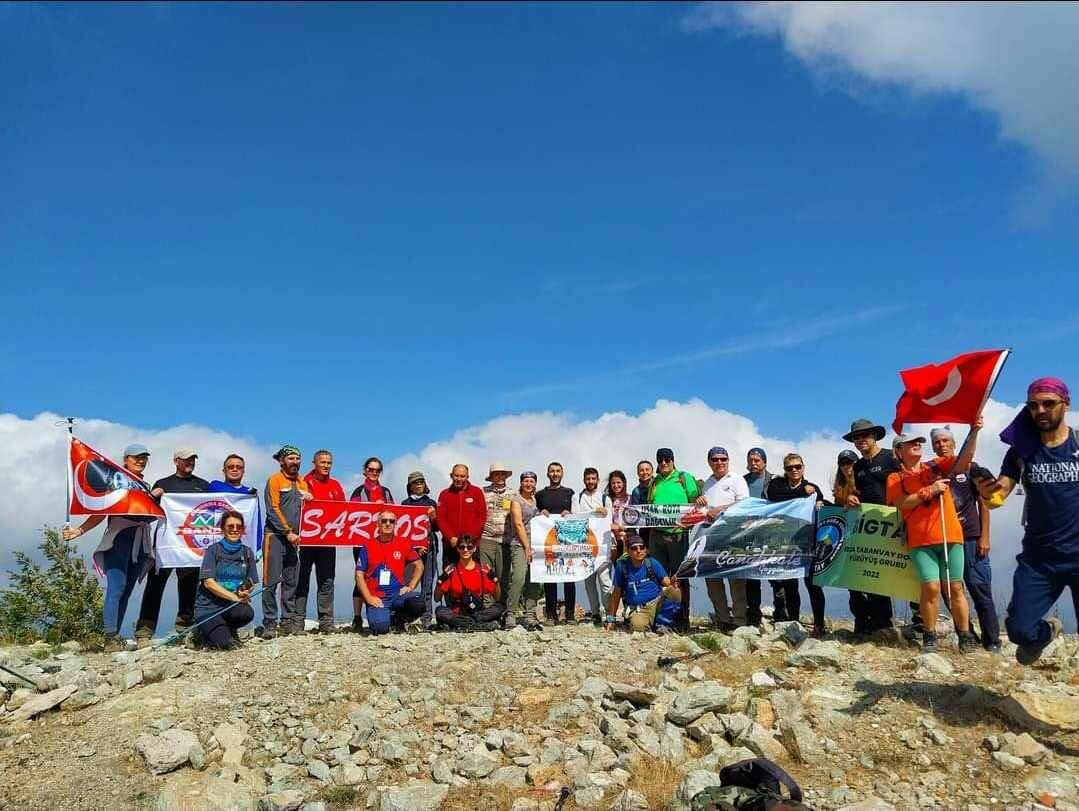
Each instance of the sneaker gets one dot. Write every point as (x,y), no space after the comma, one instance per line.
(114,644)
(509,622)
(967,643)
(818,632)
(1029,654)
(269,631)
(663,630)
(929,643)
(532,624)
(143,633)
(994,648)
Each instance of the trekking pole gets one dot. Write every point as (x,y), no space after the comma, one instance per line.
(667,661)
(176,636)
(19,675)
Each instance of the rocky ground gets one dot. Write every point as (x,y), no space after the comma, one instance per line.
(507,719)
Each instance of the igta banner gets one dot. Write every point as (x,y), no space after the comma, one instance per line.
(352,523)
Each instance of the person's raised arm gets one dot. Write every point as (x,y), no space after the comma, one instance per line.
(966,453)
(71,533)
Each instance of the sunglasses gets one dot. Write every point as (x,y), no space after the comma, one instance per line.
(1043,405)
(466,546)
(718,459)
(637,546)
(232,528)
(387,520)
(793,467)
(373,469)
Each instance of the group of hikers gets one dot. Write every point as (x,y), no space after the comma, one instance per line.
(471,572)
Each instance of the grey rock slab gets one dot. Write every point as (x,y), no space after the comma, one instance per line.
(933,663)
(1009,763)
(1041,708)
(814,653)
(695,701)
(509,776)
(693,784)
(417,796)
(286,800)
(38,704)
(168,751)
(801,741)
(636,695)
(186,790)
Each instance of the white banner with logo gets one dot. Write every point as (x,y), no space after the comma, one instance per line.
(192,524)
(568,549)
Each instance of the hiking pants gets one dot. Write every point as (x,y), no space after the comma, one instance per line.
(872,612)
(121,574)
(467,622)
(323,559)
(647,616)
(1036,586)
(187,585)
(280,570)
(786,600)
(399,607)
(978,578)
(735,612)
(670,550)
(217,633)
(431,571)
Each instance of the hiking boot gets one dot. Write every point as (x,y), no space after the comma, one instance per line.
(819,632)
(114,644)
(532,624)
(929,643)
(994,648)
(1029,654)
(269,631)
(357,625)
(144,634)
(967,643)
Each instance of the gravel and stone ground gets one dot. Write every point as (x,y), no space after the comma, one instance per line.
(509,719)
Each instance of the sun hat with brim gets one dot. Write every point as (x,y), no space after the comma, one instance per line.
(185,452)
(417,476)
(498,467)
(906,439)
(858,426)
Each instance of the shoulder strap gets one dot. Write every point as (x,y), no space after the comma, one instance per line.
(651,572)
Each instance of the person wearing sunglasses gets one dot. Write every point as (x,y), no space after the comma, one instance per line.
(321,559)
(226,578)
(718,492)
(872,612)
(1043,454)
(652,600)
(471,591)
(672,486)
(788,605)
(921,491)
(372,491)
(384,580)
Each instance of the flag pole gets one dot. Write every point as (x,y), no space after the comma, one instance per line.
(70,439)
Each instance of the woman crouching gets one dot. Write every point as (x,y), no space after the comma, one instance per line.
(467,585)
(225,582)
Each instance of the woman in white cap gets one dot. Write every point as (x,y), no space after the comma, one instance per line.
(921,493)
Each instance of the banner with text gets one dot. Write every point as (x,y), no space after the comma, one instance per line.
(864,549)
(192,524)
(644,516)
(754,539)
(353,523)
(568,549)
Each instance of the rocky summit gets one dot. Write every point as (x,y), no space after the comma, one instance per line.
(518,720)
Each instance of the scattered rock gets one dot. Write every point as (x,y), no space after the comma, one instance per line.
(638,696)
(1008,762)
(933,663)
(695,701)
(801,741)
(1042,708)
(417,796)
(1023,747)
(168,751)
(815,653)
(42,703)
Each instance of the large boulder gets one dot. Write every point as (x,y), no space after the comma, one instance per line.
(417,796)
(168,751)
(695,701)
(814,653)
(185,790)
(44,702)
(1042,708)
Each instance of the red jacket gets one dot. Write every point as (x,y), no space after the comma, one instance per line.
(329,490)
(462,512)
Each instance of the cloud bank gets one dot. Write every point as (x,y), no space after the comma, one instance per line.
(1016,61)
(32,469)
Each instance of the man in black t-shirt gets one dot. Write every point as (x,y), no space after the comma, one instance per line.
(183,480)
(554,499)
(872,612)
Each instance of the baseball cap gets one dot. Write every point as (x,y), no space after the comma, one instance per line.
(664,455)
(847,456)
(906,439)
(184,452)
(718,450)
(136,449)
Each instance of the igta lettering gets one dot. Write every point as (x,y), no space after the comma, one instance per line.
(874,526)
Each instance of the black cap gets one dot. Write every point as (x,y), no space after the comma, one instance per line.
(847,456)
(664,455)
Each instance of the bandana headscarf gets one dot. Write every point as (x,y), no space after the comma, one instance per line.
(285,451)
(1022,434)
(760,452)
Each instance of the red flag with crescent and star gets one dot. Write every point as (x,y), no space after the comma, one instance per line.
(953,391)
(99,486)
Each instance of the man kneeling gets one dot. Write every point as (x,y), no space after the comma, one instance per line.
(464,585)
(652,600)
(380,577)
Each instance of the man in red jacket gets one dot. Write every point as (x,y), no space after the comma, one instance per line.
(462,510)
(323,559)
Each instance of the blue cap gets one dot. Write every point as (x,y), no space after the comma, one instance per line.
(759,451)
(529,474)
(136,449)
(717,450)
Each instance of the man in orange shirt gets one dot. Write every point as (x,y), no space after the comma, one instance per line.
(286,492)
(921,493)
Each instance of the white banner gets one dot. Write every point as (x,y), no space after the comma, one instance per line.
(191,521)
(565,550)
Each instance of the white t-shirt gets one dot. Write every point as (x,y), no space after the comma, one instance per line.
(721,492)
(590,502)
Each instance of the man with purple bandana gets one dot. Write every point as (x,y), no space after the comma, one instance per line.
(1044,455)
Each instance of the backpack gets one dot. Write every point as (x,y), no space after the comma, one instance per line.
(750,785)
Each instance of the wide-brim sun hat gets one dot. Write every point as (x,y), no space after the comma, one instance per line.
(858,426)
(498,467)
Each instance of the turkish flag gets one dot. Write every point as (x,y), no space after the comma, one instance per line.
(99,486)
(953,391)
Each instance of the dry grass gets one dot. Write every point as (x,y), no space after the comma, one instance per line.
(656,780)
(493,798)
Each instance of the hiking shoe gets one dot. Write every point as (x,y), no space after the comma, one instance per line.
(967,643)
(357,625)
(818,632)
(114,644)
(994,648)
(509,622)
(532,624)
(1029,654)
(142,633)
(491,625)
(663,630)
(929,643)
(269,631)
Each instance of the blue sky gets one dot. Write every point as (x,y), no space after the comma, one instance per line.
(390,222)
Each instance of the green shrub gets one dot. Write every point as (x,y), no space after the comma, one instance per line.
(55,603)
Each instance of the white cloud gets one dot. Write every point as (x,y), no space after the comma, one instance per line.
(1017,61)
(33,480)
